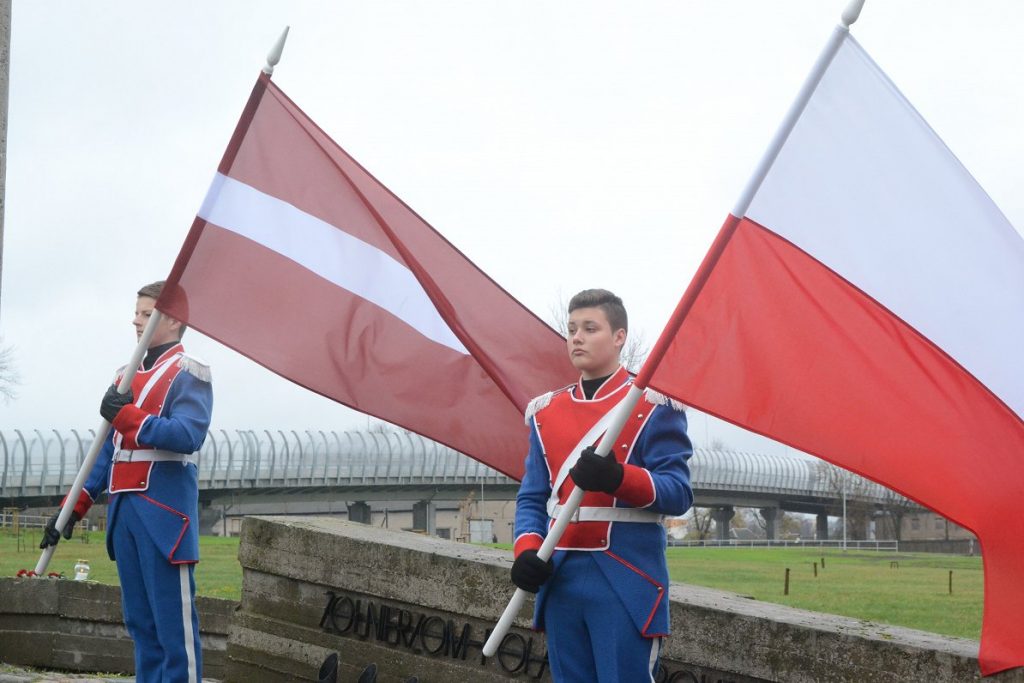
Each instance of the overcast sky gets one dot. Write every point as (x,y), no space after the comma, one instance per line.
(559,145)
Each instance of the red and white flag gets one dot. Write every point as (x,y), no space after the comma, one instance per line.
(304,262)
(865,303)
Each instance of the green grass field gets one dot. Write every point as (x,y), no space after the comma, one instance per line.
(857,584)
(218,575)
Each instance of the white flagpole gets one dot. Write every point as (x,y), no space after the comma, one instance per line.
(849,16)
(97,442)
(554,534)
(273,57)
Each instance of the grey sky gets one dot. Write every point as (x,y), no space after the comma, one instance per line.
(559,145)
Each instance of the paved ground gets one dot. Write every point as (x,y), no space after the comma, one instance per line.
(12,674)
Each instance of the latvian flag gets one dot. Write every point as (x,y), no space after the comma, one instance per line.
(865,303)
(304,262)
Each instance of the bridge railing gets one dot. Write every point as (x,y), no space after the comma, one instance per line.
(728,470)
(14,520)
(889,546)
(44,462)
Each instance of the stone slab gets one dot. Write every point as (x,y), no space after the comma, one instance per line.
(77,626)
(417,605)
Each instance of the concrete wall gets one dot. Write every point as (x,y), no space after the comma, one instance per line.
(422,606)
(963,546)
(451,519)
(928,526)
(77,626)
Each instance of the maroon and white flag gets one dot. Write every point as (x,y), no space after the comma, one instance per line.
(302,261)
(865,303)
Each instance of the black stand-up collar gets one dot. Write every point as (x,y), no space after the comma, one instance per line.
(155,352)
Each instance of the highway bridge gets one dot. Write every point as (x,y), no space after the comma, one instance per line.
(39,466)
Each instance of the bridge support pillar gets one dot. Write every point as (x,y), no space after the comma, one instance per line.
(722,515)
(770,515)
(822,534)
(209,519)
(424,517)
(359,511)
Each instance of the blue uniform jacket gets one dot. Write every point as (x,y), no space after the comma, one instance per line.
(633,560)
(169,504)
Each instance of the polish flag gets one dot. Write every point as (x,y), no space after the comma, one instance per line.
(304,262)
(865,303)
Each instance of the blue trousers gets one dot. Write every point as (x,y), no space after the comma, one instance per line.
(158,599)
(590,635)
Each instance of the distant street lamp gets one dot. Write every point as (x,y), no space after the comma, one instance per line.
(844,512)
(5,70)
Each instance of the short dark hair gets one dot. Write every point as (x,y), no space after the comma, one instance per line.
(152,290)
(607,302)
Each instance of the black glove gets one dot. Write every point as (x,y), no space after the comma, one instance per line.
(50,534)
(529,572)
(593,472)
(112,402)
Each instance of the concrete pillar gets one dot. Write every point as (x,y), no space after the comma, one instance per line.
(359,511)
(860,526)
(209,519)
(424,517)
(822,534)
(722,515)
(769,515)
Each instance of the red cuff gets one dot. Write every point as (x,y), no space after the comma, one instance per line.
(637,487)
(83,504)
(128,421)
(529,541)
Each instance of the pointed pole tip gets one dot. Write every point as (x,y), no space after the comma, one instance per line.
(274,56)
(852,13)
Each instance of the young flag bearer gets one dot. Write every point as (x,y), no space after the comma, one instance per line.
(602,597)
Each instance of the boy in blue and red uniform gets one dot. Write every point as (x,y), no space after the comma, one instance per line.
(147,464)
(603,596)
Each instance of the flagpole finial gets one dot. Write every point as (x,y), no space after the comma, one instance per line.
(852,12)
(274,56)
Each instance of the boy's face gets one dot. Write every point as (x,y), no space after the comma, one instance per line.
(593,346)
(166,330)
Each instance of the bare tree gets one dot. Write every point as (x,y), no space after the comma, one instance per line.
(375,426)
(634,353)
(701,524)
(8,377)
(558,315)
(895,507)
(760,525)
(786,525)
(843,482)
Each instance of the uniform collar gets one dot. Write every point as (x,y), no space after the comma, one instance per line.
(165,352)
(618,379)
